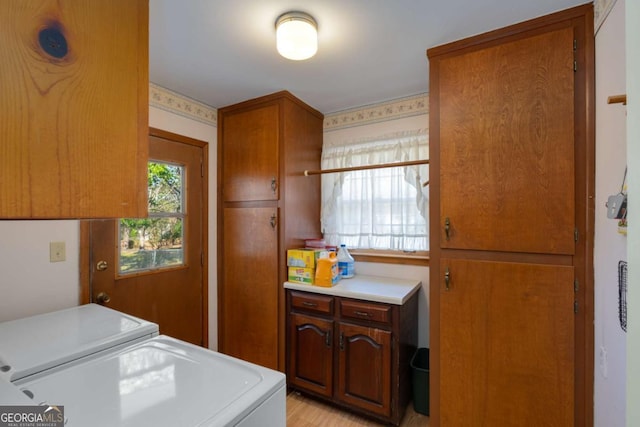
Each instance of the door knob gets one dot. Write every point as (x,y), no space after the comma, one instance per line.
(103,298)
(101,265)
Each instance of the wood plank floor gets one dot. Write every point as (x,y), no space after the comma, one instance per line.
(303,411)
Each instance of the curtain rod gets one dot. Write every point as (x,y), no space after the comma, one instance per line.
(358,168)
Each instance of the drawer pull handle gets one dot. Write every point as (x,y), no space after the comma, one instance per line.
(327,339)
(341,341)
(447,279)
(309,304)
(362,313)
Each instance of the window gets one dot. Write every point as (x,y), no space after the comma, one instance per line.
(156,242)
(382,209)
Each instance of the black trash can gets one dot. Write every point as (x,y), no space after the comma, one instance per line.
(420,370)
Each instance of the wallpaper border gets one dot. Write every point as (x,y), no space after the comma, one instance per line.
(176,103)
(389,110)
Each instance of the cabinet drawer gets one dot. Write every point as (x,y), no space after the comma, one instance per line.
(365,311)
(312,302)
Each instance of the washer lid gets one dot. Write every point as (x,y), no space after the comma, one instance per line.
(34,344)
(158,382)
(10,394)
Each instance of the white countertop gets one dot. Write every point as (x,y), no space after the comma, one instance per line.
(369,288)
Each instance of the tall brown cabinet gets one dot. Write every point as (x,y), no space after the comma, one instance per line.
(511,208)
(265,206)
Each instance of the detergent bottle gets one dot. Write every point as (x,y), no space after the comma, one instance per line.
(327,273)
(346,263)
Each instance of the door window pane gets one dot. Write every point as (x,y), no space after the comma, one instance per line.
(157,241)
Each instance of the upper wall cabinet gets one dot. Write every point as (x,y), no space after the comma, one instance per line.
(74,80)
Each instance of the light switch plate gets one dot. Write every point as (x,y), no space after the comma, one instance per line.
(57,251)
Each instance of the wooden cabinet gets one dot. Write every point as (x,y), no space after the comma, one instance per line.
(74,108)
(353,353)
(250,269)
(511,234)
(507,334)
(266,205)
(364,368)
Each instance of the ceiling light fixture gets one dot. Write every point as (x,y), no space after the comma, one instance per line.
(296,35)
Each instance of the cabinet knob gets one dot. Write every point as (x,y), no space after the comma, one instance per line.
(274,185)
(447,279)
(273,221)
(327,339)
(341,341)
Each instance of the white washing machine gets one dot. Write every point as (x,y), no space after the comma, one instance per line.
(49,341)
(150,381)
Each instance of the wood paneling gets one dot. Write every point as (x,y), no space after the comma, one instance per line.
(251,155)
(74,122)
(506,130)
(250,275)
(507,344)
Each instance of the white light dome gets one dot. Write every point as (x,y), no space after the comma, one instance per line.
(296,36)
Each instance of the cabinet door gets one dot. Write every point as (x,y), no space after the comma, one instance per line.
(250,287)
(250,154)
(74,108)
(506,344)
(506,123)
(364,378)
(311,353)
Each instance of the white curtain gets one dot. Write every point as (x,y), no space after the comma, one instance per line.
(383,208)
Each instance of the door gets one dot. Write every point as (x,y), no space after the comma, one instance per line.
(507,344)
(364,378)
(153,268)
(311,354)
(250,154)
(507,146)
(249,294)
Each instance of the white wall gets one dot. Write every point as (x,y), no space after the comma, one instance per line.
(393,270)
(632,41)
(29,283)
(610,246)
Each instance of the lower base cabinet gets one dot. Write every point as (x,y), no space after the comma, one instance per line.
(353,353)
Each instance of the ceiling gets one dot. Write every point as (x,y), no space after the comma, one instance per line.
(221,52)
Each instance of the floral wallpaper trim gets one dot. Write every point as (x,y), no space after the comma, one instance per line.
(179,104)
(390,110)
(601,9)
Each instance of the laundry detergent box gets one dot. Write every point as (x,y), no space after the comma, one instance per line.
(302,275)
(305,258)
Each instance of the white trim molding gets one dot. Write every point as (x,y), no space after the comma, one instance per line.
(179,104)
(390,110)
